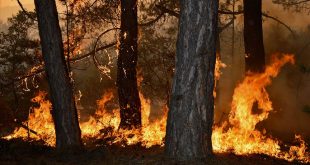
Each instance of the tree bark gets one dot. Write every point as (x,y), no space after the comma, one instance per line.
(129,101)
(253,36)
(190,118)
(68,133)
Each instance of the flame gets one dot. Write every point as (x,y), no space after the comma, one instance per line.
(40,122)
(217,72)
(239,134)
(104,124)
(151,133)
(218,66)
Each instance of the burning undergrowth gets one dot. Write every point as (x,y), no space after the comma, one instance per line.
(103,125)
(238,135)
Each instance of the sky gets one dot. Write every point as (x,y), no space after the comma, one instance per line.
(10,7)
(294,20)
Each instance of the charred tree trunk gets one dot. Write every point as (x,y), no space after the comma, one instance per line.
(129,101)
(253,36)
(190,117)
(68,133)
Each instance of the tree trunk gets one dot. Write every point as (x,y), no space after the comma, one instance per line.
(129,101)
(253,36)
(190,118)
(68,133)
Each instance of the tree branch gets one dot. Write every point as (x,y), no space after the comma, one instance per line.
(25,11)
(220,29)
(293,3)
(92,52)
(39,71)
(153,21)
(280,22)
(230,12)
(168,11)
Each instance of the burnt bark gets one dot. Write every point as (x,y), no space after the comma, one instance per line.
(129,101)
(253,36)
(190,118)
(68,133)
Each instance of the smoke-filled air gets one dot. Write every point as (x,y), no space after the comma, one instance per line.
(155,82)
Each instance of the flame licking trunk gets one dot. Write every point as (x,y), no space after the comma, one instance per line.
(104,124)
(238,135)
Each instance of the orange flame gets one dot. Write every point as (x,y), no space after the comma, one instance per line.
(151,133)
(40,121)
(239,135)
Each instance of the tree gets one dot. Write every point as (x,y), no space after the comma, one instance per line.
(190,117)
(68,133)
(296,5)
(129,101)
(18,54)
(253,36)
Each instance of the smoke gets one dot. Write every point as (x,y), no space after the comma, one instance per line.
(290,91)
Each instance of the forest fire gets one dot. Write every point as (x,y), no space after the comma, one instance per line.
(151,133)
(40,122)
(237,135)
(141,82)
(104,124)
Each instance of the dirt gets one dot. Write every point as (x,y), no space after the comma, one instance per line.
(18,151)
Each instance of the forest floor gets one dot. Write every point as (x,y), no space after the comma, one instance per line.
(20,152)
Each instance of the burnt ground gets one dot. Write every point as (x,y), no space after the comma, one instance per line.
(18,151)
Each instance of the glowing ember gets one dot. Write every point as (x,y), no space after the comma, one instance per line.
(217,72)
(239,135)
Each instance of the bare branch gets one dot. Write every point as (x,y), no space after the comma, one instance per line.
(280,22)
(176,14)
(153,21)
(220,29)
(92,52)
(230,12)
(25,11)
(97,64)
(40,71)
(168,11)
(293,3)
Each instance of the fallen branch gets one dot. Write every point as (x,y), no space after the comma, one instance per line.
(26,127)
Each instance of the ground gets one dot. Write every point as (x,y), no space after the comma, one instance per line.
(20,152)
